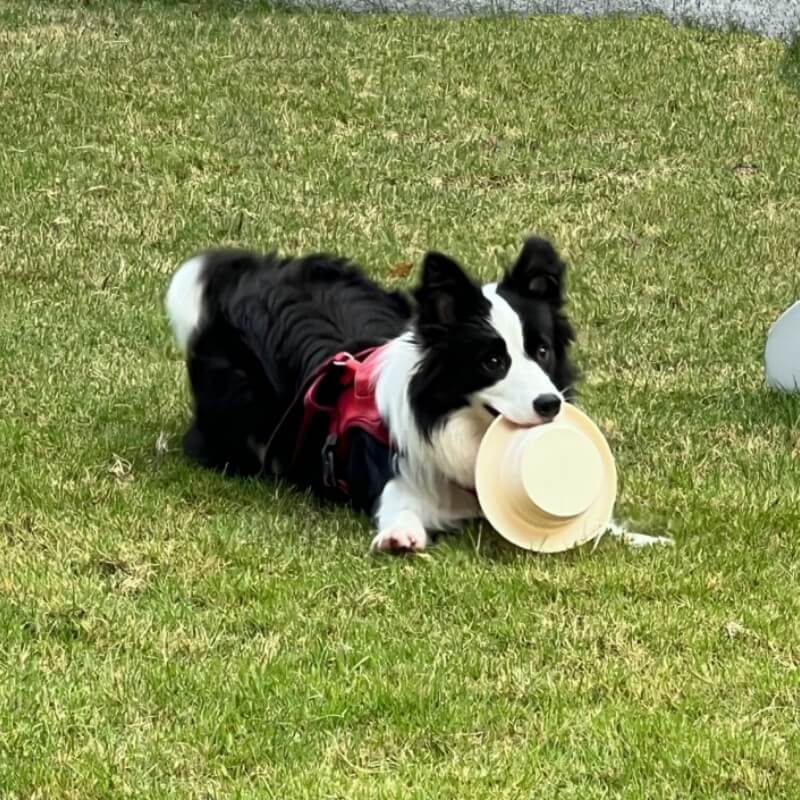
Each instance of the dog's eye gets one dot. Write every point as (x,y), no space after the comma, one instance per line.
(542,352)
(493,363)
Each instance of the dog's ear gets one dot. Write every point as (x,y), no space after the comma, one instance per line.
(446,293)
(538,272)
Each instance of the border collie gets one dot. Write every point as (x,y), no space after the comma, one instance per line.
(257,329)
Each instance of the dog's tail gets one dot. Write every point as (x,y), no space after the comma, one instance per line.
(204,287)
(185,299)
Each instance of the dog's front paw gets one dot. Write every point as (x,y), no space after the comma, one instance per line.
(400,538)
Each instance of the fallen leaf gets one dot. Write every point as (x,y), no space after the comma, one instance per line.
(402,269)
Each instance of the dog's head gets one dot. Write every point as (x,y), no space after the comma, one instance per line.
(501,348)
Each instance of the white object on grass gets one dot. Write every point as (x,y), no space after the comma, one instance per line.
(782,353)
(617,531)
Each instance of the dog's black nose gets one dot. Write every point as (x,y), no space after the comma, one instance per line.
(547,405)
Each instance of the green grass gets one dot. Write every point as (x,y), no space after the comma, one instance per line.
(169,633)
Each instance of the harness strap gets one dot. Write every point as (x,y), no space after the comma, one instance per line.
(351,405)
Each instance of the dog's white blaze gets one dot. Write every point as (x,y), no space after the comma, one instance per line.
(431,475)
(513,396)
(184,300)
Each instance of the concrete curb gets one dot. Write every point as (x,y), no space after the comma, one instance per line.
(778,19)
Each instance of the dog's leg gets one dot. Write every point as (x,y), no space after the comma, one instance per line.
(400,520)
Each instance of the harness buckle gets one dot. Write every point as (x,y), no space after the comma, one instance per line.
(329,462)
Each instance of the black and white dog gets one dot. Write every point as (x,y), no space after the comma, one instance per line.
(256,330)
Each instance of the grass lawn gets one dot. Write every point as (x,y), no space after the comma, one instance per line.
(169,633)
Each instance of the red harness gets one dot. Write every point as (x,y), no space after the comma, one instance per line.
(353,407)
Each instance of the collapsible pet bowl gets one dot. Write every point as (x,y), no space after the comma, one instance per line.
(550,487)
(782,353)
